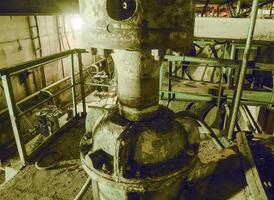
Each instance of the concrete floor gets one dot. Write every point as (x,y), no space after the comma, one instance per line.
(215,176)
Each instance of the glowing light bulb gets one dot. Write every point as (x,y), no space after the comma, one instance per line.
(77,23)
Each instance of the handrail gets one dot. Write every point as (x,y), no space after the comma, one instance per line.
(12,106)
(220,62)
(38,62)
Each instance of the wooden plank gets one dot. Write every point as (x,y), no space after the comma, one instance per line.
(255,185)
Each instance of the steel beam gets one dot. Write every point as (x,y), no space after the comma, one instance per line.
(233,29)
(38,7)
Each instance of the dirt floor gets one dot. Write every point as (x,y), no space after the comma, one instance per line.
(62,182)
(215,176)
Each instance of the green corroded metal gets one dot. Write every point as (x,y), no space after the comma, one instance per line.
(259,98)
(248,98)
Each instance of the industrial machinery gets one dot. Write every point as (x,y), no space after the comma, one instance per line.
(138,149)
(47,120)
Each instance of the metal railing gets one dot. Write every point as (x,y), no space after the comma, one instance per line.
(12,105)
(259,98)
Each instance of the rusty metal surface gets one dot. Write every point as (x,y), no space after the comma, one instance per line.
(136,156)
(138,83)
(153,24)
(140,148)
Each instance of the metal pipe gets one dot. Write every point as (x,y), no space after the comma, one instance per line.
(241,78)
(83,189)
(98,84)
(238,9)
(36,94)
(50,95)
(45,101)
(228,63)
(205,7)
(82,86)
(199,97)
(73,89)
(211,134)
(170,69)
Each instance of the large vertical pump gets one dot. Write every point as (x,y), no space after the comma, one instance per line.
(138,150)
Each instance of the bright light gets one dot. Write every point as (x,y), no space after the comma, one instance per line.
(76,23)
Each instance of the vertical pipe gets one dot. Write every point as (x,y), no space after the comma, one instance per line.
(82,86)
(161,76)
(232,57)
(14,118)
(73,84)
(170,80)
(238,9)
(270,12)
(239,87)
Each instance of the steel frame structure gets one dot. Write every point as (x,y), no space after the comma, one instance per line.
(259,98)
(238,92)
